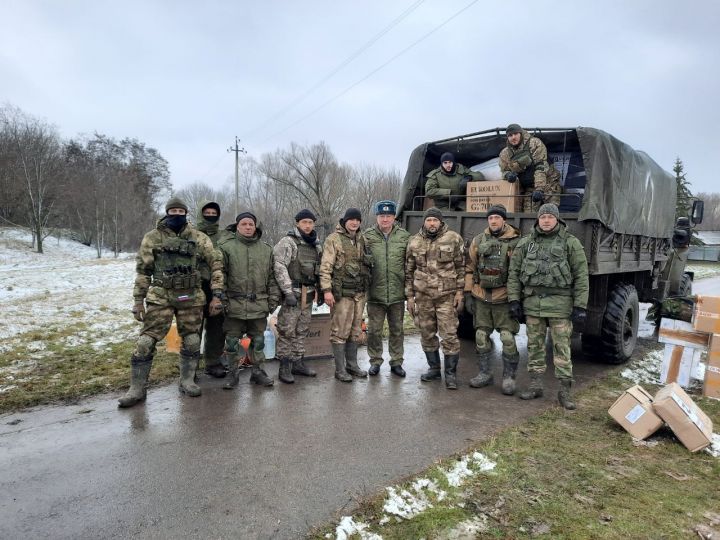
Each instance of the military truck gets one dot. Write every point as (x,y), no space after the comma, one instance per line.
(616,200)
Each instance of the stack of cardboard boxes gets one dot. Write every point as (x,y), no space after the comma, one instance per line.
(706,318)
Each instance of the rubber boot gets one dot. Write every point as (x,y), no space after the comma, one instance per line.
(139,372)
(451,362)
(535,388)
(564,395)
(299,368)
(351,361)
(233,377)
(484,377)
(214,368)
(284,373)
(433,373)
(260,377)
(188,365)
(341,373)
(510,365)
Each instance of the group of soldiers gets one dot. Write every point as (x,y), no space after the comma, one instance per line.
(228,281)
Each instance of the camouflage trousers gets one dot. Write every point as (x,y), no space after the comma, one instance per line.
(235,329)
(560,332)
(437,315)
(377,313)
(346,319)
(293,324)
(553,186)
(157,322)
(488,317)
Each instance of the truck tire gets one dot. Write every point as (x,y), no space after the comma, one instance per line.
(685,288)
(620,324)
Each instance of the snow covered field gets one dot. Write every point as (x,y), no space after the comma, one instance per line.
(65,288)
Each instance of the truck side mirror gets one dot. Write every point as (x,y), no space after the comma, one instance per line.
(698,208)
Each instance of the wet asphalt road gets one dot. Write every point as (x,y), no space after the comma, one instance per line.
(251,463)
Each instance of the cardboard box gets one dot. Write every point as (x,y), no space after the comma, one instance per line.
(706,316)
(317,342)
(482,195)
(679,364)
(711,385)
(633,410)
(682,333)
(688,422)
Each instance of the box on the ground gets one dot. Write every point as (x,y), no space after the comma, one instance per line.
(682,333)
(706,317)
(317,342)
(711,385)
(633,411)
(482,195)
(679,364)
(689,423)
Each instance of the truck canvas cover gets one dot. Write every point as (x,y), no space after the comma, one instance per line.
(625,189)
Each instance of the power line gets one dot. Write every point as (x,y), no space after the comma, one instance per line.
(340,66)
(373,72)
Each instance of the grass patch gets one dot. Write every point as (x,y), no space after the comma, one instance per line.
(573,475)
(703,269)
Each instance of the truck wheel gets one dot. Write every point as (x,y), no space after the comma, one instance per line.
(686,284)
(620,324)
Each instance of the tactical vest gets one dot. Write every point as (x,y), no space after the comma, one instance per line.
(303,268)
(524,158)
(176,264)
(546,263)
(354,276)
(491,271)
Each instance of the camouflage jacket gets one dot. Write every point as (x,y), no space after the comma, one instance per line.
(213,232)
(549,273)
(285,253)
(439,185)
(530,162)
(250,284)
(434,266)
(342,269)
(387,284)
(149,288)
(487,264)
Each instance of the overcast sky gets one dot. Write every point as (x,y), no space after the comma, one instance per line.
(186,77)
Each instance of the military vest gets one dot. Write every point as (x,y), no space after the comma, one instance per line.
(354,276)
(493,262)
(546,263)
(303,268)
(176,264)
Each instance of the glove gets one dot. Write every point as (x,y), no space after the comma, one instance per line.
(139,311)
(538,196)
(454,201)
(469,303)
(516,311)
(578,316)
(291,300)
(216,307)
(511,177)
(464,182)
(411,306)
(319,299)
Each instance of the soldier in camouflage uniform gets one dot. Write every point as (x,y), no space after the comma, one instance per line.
(386,243)
(252,293)
(344,277)
(486,271)
(548,285)
(168,284)
(297,258)
(434,281)
(447,185)
(208,223)
(525,158)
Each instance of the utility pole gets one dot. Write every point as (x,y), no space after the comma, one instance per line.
(237,151)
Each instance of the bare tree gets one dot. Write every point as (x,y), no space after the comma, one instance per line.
(371,184)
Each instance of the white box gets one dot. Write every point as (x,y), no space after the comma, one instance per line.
(679,364)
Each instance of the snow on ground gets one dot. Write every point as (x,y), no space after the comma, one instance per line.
(645,370)
(714,448)
(349,527)
(67,286)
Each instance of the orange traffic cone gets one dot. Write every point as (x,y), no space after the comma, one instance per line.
(172,340)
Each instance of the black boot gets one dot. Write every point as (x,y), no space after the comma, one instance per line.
(564,395)
(285,373)
(451,362)
(374,369)
(433,373)
(341,373)
(299,368)
(260,377)
(484,377)
(398,370)
(231,356)
(214,368)
(351,361)
(510,364)
(188,365)
(535,388)
(139,372)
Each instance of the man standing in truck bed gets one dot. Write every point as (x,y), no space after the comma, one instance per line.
(525,158)
(447,185)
